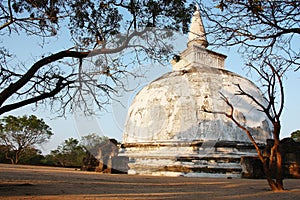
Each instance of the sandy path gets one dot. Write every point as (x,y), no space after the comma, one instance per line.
(31,182)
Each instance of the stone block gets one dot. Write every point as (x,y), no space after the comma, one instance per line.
(251,167)
(120,165)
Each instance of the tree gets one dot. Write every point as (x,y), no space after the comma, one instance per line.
(31,156)
(69,154)
(19,134)
(62,78)
(296,135)
(273,85)
(264,31)
(3,150)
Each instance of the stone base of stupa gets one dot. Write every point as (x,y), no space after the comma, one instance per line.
(197,158)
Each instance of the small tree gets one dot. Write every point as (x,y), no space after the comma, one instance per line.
(265,33)
(20,133)
(296,135)
(272,107)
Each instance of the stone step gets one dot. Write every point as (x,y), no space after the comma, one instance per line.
(223,159)
(185,167)
(179,170)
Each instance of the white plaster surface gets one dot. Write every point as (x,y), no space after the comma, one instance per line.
(171,109)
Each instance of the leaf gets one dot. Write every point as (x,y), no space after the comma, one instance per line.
(221,6)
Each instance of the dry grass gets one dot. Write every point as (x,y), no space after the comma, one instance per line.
(32,182)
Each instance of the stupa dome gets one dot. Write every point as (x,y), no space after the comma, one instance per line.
(171,108)
(167,129)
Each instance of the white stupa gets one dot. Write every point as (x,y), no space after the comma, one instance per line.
(168,133)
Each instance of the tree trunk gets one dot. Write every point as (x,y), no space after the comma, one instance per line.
(9,158)
(277,184)
(279,177)
(17,157)
(278,164)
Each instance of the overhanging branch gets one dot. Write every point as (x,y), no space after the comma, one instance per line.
(14,87)
(59,87)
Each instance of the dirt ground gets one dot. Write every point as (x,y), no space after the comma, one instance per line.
(32,182)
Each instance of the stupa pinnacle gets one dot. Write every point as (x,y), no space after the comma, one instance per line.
(197,55)
(197,32)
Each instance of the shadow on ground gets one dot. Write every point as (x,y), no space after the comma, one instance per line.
(31,182)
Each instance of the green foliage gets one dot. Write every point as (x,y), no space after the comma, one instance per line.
(69,154)
(296,135)
(85,18)
(19,135)
(3,152)
(254,6)
(51,78)
(31,156)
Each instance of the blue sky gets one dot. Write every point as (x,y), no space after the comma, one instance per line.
(111,123)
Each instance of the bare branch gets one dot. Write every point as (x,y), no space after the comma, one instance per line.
(14,87)
(59,87)
(10,20)
(230,115)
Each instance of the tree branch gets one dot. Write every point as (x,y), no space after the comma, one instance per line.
(14,87)
(11,20)
(59,87)
(230,115)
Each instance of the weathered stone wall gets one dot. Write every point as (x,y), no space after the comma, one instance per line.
(291,157)
(89,162)
(290,151)
(199,158)
(120,165)
(197,56)
(106,160)
(252,167)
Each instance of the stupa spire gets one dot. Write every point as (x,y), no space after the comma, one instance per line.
(196,55)
(197,33)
